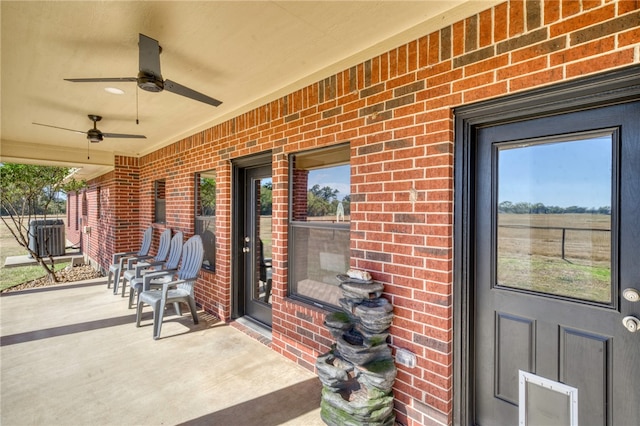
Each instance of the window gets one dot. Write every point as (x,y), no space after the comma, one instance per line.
(160,214)
(99,202)
(320,231)
(205,215)
(85,206)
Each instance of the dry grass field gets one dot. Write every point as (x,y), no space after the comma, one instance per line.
(530,249)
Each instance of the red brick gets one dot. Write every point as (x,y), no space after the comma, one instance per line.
(458,38)
(536,79)
(486,28)
(582,20)
(582,51)
(628,38)
(626,6)
(570,7)
(500,22)
(516,17)
(615,59)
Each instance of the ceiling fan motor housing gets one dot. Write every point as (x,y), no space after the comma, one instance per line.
(150,82)
(94,135)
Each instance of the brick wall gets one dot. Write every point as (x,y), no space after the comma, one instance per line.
(395,110)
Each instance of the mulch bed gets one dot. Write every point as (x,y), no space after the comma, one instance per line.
(67,275)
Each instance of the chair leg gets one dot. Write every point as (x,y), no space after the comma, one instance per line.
(124,286)
(139,314)
(267,291)
(158,315)
(116,281)
(132,290)
(109,278)
(194,311)
(176,307)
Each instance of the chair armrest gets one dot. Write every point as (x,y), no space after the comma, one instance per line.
(172,284)
(143,268)
(147,278)
(118,256)
(135,259)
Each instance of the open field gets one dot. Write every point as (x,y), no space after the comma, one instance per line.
(531,247)
(10,277)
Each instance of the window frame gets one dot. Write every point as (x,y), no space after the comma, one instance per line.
(197,214)
(160,209)
(344,226)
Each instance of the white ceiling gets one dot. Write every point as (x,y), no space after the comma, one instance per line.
(242,53)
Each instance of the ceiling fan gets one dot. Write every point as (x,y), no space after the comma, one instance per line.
(95,135)
(149,77)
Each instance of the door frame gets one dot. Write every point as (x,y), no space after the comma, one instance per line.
(607,89)
(238,227)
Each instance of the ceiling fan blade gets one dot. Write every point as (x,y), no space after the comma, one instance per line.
(61,128)
(179,89)
(149,56)
(123,136)
(99,80)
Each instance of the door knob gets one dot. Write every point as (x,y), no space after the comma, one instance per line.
(631,323)
(631,294)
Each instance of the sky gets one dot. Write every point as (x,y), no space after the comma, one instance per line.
(563,174)
(338,177)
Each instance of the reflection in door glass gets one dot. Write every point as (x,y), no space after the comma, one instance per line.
(554,218)
(263,239)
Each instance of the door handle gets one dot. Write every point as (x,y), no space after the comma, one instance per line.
(631,323)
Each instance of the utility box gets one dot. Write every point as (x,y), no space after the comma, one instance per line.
(46,237)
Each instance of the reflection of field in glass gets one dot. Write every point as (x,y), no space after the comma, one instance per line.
(530,248)
(266,234)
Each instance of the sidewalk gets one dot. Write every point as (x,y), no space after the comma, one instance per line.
(71,355)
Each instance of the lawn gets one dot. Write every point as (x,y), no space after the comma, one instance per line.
(10,277)
(530,249)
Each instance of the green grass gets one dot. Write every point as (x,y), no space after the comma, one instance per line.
(10,277)
(556,276)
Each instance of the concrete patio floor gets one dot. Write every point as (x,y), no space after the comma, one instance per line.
(71,355)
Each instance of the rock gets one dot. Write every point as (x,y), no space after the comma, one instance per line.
(338,323)
(379,374)
(352,348)
(359,274)
(334,372)
(358,374)
(357,411)
(361,291)
(375,315)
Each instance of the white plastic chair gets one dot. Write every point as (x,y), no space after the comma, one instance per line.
(176,288)
(136,275)
(134,262)
(119,259)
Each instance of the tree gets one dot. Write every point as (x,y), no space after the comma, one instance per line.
(27,191)
(322,201)
(266,199)
(208,196)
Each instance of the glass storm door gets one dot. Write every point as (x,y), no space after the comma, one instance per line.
(557,270)
(256,245)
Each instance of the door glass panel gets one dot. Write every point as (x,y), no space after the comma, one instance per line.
(554,217)
(262,239)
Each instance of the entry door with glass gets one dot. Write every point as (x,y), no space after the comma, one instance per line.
(557,270)
(257,243)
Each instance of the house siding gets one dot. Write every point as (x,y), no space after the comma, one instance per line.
(396,112)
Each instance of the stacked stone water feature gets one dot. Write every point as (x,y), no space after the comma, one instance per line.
(358,373)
